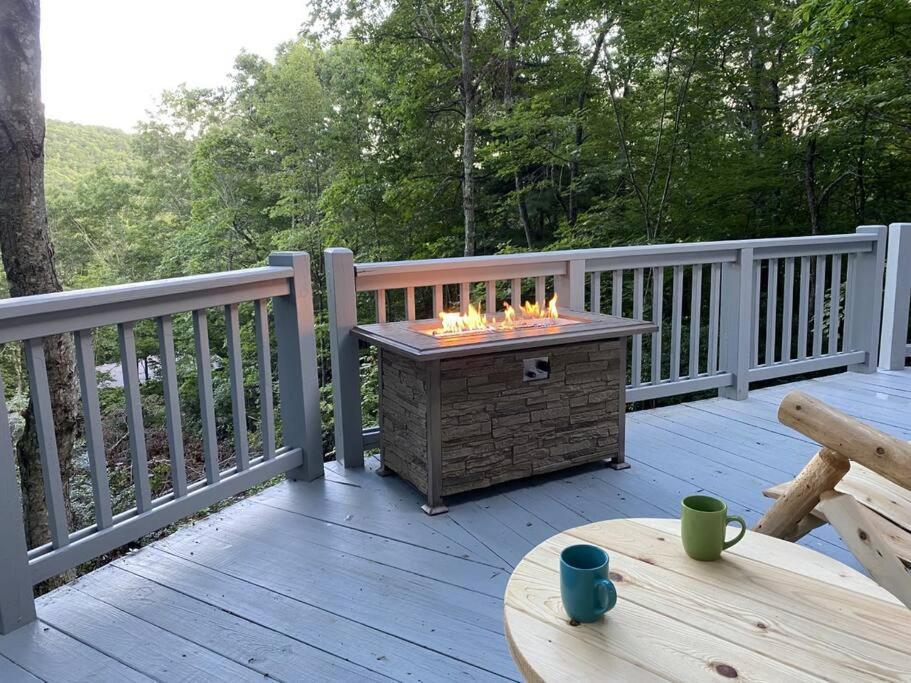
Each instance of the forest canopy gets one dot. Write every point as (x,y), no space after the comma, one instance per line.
(587,123)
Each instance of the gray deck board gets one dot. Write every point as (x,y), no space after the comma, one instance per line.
(245,642)
(345,578)
(52,655)
(13,672)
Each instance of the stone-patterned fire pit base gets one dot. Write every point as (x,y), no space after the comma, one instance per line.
(491,424)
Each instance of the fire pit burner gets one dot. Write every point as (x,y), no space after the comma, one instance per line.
(462,409)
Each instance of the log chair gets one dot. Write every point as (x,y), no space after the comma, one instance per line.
(859,482)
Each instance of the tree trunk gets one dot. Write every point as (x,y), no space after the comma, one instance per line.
(28,257)
(469,100)
(579,137)
(809,181)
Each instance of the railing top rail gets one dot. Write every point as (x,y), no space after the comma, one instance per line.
(43,314)
(711,250)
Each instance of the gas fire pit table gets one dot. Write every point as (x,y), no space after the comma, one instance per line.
(469,401)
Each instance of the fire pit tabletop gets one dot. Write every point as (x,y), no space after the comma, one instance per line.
(413,338)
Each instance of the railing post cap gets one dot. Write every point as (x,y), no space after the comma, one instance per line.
(289,258)
(338,250)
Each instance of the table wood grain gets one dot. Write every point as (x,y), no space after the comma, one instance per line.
(768,610)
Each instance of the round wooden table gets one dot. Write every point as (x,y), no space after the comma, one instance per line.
(767,610)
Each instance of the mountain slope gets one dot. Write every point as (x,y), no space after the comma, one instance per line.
(73,151)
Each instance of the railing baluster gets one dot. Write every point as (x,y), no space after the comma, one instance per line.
(464,296)
(206,401)
(409,303)
(771,310)
(714,304)
(135,425)
(754,332)
(238,398)
(850,281)
(264,364)
(491,294)
(540,290)
(637,339)
(595,294)
(657,318)
(787,313)
(695,319)
(617,292)
(676,323)
(47,442)
(804,307)
(517,293)
(819,290)
(437,300)
(834,304)
(173,421)
(94,437)
(381,306)
(17,604)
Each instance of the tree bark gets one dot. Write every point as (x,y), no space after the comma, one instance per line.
(573,211)
(28,257)
(809,181)
(469,100)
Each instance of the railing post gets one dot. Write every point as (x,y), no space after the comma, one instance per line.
(736,325)
(864,299)
(297,377)
(893,345)
(345,354)
(17,603)
(570,288)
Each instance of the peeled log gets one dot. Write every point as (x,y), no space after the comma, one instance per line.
(837,431)
(821,474)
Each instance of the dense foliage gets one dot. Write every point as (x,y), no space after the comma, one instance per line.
(593,124)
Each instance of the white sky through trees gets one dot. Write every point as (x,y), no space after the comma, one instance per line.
(105,62)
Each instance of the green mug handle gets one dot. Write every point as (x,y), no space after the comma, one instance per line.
(607,594)
(743,529)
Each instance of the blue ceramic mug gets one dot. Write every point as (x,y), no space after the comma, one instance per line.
(586,591)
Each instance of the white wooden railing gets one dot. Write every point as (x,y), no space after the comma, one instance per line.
(754,310)
(285,282)
(729,313)
(895,344)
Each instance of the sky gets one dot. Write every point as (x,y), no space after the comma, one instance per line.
(105,62)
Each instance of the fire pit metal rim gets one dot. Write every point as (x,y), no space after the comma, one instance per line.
(404,336)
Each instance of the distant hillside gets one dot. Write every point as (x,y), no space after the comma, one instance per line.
(73,151)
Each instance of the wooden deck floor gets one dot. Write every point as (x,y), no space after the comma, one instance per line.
(346,579)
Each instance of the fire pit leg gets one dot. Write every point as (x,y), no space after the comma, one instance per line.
(434,504)
(618,462)
(434,509)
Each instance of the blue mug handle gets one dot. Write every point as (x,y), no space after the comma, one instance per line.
(607,595)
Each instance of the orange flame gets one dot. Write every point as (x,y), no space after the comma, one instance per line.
(456,322)
(473,321)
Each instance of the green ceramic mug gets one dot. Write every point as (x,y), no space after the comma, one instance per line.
(703,522)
